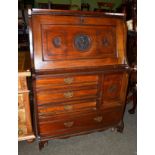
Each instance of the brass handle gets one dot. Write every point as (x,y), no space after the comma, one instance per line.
(68,124)
(68,107)
(68,80)
(98,119)
(68,94)
(20,132)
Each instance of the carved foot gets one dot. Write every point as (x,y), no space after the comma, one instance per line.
(42,144)
(120,127)
(113,129)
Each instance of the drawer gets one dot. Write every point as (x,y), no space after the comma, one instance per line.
(65,108)
(79,123)
(22,83)
(66,81)
(68,95)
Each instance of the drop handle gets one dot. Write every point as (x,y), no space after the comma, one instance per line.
(68,107)
(68,94)
(68,124)
(98,119)
(68,80)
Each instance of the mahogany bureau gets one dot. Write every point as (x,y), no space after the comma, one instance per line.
(80,72)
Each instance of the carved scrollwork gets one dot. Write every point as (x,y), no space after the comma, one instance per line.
(82,42)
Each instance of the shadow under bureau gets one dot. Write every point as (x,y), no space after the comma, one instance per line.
(79,70)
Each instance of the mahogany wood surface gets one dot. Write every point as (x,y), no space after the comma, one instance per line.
(79,71)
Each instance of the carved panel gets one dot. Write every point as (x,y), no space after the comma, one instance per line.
(54,44)
(71,42)
(112,86)
(57,42)
(107,41)
(82,42)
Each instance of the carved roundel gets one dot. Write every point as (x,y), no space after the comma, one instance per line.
(57,41)
(82,42)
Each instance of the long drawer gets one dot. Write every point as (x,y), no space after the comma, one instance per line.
(78,123)
(70,107)
(59,82)
(49,96)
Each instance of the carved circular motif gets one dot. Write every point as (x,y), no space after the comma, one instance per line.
(112,88)
(82,42)
(56,41)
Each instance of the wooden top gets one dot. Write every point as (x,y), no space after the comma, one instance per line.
(74,13)
(24,64)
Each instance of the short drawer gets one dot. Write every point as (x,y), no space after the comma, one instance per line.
(81,123)
(61,81)
(66,108)
(68,95)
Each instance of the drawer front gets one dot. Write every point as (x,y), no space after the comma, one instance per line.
(64,42)
(22,83)
(68,95)
(66,108)
(114,88)
(77,124)
(65,81)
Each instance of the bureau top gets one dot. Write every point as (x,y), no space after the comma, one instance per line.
(74,13)
(75,39)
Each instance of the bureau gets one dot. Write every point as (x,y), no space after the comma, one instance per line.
(79,70)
